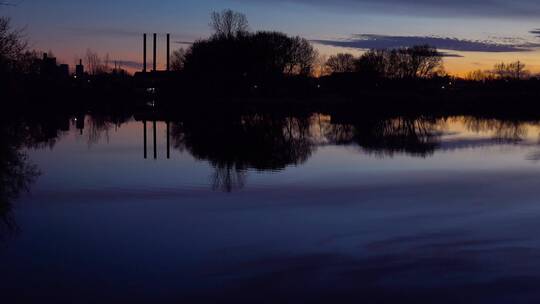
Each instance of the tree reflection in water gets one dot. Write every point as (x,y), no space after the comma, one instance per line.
(16,172)
(235,144)
(503,130)
(18,133)
(415,136)
(228,177)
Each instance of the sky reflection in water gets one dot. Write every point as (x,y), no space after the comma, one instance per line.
(434,211)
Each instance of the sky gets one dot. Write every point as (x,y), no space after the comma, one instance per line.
(474,34)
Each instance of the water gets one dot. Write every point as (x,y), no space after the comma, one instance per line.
(264,209)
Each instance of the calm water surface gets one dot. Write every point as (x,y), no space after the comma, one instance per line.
(287,210)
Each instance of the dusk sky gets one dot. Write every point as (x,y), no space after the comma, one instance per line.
(475,33)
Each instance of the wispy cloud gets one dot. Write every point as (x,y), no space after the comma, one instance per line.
(183,42)
(446,54)
(535,32)
(130,64)
(369,41)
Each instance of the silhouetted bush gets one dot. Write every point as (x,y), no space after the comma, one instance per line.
(250,55)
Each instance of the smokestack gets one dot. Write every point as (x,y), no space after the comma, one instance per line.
(168,52)
(144,53)
(155,50)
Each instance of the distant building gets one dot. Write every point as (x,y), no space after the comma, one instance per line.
(48,66)
(50,70)
(63,70)
(79,69)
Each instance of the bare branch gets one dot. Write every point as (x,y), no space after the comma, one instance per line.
(228,23)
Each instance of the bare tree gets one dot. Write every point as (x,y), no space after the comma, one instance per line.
(425,61)
(373,63)
(28,62)
(93,62)
(512,71)
(517,70)
(302,56)
(479,75)
(107,63)
(12,45)
(418,61)
(500,70)
(228,23)
(178,58)
(413,62)
(340,63)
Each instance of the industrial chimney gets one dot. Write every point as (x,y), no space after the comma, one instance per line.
(144,53)
(155,54)
(168,52)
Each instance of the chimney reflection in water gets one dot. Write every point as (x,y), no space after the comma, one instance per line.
(154,134)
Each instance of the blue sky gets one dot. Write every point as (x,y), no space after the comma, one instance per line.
(68,28)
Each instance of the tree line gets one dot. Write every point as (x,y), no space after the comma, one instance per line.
(235,51)
(16,58)
(422,61)
(501,71)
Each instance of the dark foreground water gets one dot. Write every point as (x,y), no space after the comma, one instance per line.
(272,210)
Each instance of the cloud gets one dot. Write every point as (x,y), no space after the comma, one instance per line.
(535,32)
(183,42)
(368,41)
(477,8)
(129,64)
(446,54)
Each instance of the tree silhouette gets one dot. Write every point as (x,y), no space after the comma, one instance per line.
(512,71)
(341,63)
(405,63)
(177,59)
(373,64)
(303,56)
(228,23)
(479,75)
(249,56)
(12,46)
(94,63)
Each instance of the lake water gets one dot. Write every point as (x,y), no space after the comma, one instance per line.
(264,209)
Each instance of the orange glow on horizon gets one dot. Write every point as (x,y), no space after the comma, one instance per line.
(455,66)
(468,62)
(471,61)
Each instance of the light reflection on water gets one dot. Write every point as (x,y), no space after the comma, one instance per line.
(258,209)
